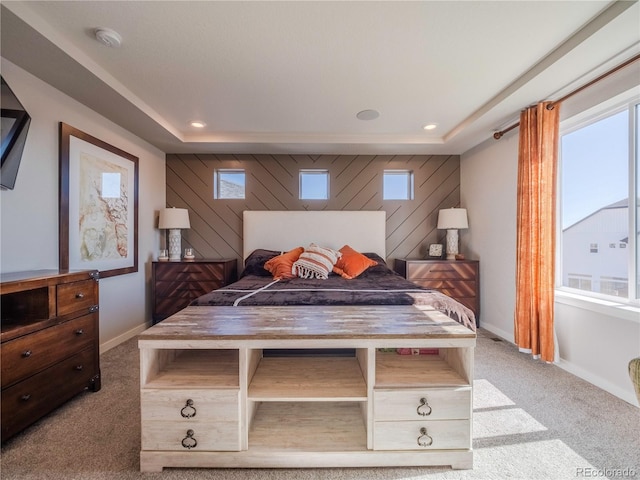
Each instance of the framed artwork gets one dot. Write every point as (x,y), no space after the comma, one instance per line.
(98,222)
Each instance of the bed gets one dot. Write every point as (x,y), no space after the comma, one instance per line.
(268,234)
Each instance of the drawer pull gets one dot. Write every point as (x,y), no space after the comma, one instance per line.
(79,332)
(189,442)
(79,367)
(26,354)
(188,411)
(80,295)
(25,397)
(424,440)
(424,409)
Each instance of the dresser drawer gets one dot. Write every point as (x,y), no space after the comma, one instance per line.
(76,297)
(434,404)
(452,288)
(425,435)
(190,405)
(25,402)
(30,354)
(441,270)
(189,272)
(186,290)
(200,436)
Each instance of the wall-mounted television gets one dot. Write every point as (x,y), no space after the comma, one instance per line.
(15,125)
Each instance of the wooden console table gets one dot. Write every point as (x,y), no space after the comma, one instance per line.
(209,398)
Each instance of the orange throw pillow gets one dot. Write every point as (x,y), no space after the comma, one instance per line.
(280,266)
(352,263)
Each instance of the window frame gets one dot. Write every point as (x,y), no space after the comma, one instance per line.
(629,101)
(313,171)
(217,176)
(410,184)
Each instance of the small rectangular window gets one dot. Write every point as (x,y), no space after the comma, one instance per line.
(397,185)
(228,184)
(593,248)
(314,184)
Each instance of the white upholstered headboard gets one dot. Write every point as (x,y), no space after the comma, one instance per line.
(283,230)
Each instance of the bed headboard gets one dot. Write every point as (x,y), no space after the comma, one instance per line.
(283,230)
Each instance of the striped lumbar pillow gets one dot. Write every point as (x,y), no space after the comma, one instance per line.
(315,262)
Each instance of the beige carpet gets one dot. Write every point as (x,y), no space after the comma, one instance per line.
(531,421)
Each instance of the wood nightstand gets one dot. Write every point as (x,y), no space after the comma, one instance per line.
(459,279)
(175,284)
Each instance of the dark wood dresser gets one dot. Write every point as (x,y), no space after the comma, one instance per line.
(49,342)
(175,284)
(459,279)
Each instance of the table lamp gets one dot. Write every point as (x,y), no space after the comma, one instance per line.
(452,219)
(174,219)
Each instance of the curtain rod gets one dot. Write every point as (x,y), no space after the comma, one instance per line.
(498,135)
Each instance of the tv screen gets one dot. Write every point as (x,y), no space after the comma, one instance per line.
(14,126)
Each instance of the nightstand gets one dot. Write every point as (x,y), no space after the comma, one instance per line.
(175,284)
(459,279)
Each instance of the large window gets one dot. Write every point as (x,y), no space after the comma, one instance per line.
(598,202)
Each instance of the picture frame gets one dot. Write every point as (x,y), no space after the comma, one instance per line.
(436,251)
(98,205)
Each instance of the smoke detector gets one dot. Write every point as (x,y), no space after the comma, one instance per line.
(108,37)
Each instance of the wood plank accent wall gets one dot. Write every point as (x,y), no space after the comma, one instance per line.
(272,184)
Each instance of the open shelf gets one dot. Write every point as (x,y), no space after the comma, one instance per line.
(201,368)
(308,427)
(308,379)
(406,371)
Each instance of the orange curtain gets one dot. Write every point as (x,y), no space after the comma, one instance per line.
(536,224)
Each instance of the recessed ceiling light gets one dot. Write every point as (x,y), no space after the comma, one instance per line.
(198,124)
(430,126)
(368,115)
(108,37)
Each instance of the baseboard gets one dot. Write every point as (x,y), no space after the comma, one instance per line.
(627,396)
(114,342)
(504,335)
(599,382)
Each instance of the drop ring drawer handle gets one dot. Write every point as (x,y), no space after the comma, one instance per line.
(79,331)
(25,397)
(80,295)
(424,409)
(424,440)
(189,442)
(26,354)
(188,411)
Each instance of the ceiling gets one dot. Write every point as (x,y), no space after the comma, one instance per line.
(290,77)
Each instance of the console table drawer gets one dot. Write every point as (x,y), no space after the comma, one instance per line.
(422,404)
(27,355)
(190,405)
(190,436)
(432,435)
(76,297)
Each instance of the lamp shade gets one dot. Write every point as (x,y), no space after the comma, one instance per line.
(452,218)
(174,218)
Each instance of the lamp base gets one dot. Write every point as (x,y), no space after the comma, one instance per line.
(174,244)
(452,244)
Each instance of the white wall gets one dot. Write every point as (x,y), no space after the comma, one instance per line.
(594,344)
(29,212)
(488,176)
